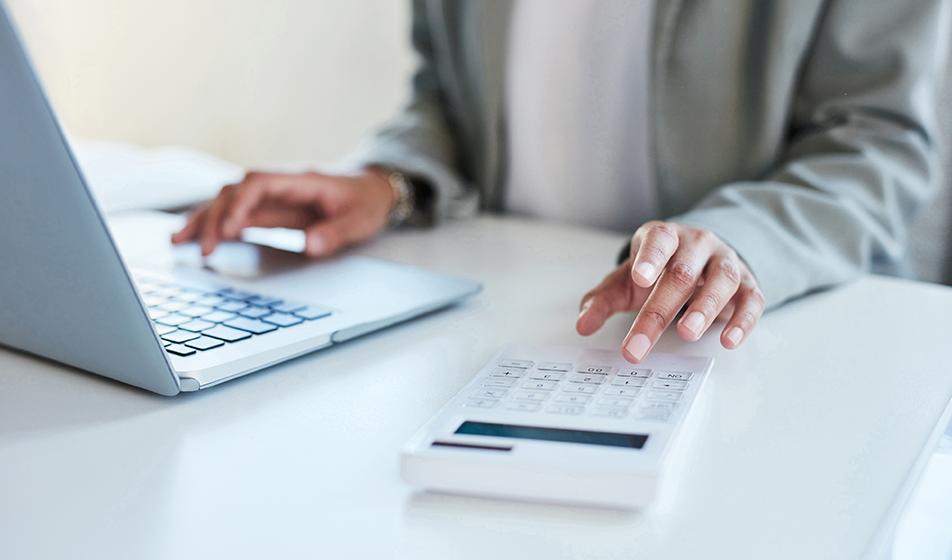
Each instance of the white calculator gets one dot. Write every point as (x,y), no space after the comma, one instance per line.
(560,425)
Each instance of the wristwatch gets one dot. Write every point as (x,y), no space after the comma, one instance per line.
(403,196)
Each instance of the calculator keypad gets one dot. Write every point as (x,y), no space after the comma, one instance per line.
(581,389)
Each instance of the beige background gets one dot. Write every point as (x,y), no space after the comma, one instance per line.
(253,82)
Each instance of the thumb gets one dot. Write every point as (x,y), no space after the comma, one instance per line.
(329,236)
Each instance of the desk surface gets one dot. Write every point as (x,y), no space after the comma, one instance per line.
(809,431)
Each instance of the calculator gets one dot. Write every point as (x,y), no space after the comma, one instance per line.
(559,424)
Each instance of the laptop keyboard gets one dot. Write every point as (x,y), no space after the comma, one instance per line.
(191,319)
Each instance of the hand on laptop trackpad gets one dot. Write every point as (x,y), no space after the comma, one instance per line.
(262,252)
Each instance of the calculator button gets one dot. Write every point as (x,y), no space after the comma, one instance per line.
(666,384)
(565,409)
(521,364)
(546,376)
(507,372)
(498,382)
(533,396)
(481,403)
(628,382)
(622,391)
(642,373)
(540,385)
(601,370)
(583,388)
(615,401)
(523,406)
(493,393)
(610,411)
(554,366)
(664,395)
(653,415)
(658,406)
(585,378)
(675,375)
(572,399)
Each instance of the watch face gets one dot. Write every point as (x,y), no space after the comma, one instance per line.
(403,195)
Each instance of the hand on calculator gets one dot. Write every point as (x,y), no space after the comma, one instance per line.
(672,265)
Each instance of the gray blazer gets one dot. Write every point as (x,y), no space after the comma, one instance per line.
(801,132)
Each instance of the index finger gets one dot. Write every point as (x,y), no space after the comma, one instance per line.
(192,225)
(257,188)
(660,241)
(675,286)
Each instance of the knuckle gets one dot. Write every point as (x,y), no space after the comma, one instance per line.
(654,317)
(683,275)
(665,229)
(746,320)
(653,253)
(710,302)
(755,296)
(704,236)
(729,270)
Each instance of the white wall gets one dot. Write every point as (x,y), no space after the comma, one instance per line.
(252,81)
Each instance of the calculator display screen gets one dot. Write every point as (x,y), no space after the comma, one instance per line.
(632,441)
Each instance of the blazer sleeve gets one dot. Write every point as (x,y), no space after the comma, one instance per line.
(419,141)
(862,157)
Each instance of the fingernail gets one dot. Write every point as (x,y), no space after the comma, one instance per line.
(735,335)
(638,346)
(316,245)
(694,322)
(585,307)
(646,271)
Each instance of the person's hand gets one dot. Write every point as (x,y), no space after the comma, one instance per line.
(672,266)
(333,210)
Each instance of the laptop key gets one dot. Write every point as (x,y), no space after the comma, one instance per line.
(232,306)
(218,316)
(173,306)
(238,295)
(250,325)
(161,329)
(254,312)
(227,334)
(197,325)
(173,320)
(204,343)
(157,313)
(288,307)
(210,301)
(196,311)
(311,313)
(179,350)
(179,337)
(282,319)
(265,301)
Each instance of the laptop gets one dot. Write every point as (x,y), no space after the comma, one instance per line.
(66,293)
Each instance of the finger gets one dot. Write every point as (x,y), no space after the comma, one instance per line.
(211,227)
(675,285)
(721,280)
(658,242)
(613,295)
(330,236)
(749,306)
(192,225)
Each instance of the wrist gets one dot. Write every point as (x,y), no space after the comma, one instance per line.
(402,194)
(377,179)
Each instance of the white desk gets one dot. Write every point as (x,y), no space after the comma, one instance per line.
(810,431)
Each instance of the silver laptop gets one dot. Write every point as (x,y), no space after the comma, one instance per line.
(66,294)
